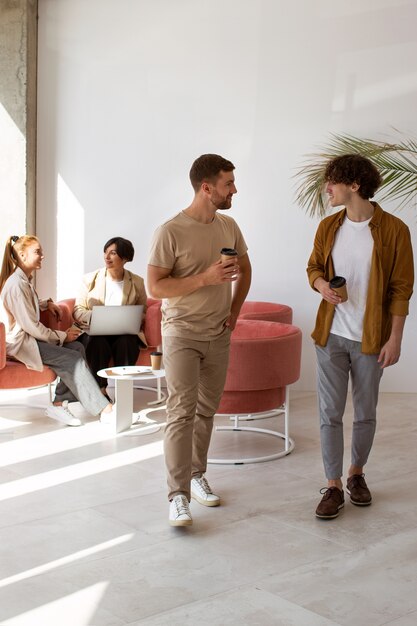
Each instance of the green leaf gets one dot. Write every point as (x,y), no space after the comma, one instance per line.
(396,162)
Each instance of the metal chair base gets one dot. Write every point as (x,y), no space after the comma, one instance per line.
(16,405)
(288,442)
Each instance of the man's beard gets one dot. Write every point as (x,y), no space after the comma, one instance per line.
(222,205)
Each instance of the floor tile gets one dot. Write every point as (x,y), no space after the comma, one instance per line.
(247,606)
(372,585)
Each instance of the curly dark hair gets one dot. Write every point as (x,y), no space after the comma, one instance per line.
(354,168)
(207,168)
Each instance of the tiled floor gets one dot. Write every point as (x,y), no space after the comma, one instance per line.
(84,538)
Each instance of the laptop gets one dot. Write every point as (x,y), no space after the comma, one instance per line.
(123,319)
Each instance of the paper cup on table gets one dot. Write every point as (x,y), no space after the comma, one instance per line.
(338,284)
(156,359)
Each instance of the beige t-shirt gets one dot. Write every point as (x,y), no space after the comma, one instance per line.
(188,247)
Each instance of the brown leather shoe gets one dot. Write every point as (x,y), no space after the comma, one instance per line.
(332,501)
(358,490)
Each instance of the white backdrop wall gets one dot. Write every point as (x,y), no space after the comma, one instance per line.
(132,91)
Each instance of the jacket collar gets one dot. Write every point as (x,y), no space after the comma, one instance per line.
(102,273)
(377,216)
(340,217)
(127,284)
(375,219)
(21,273)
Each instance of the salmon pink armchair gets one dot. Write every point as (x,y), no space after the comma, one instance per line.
(265,358)
(15,375)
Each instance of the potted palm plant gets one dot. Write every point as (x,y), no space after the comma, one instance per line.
(397,163)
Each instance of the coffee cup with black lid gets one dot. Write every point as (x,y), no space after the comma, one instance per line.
(156,358)
(228,254)
(338,284)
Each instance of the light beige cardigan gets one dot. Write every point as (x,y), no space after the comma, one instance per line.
(21,319)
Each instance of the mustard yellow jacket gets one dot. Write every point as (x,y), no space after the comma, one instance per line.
(390,281)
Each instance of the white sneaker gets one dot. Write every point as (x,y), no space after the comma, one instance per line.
(201,491)
(179,511)
(109,417)
(63,414)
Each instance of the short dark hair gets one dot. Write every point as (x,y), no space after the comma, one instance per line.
(207,168)
(354,168)
(124,248)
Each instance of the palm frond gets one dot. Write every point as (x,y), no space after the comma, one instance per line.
(397,163)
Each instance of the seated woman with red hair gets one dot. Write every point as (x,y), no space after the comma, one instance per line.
(35,345)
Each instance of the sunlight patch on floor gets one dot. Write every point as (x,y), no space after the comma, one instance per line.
(77,471)
(76,608)
(6,424)
(71,558)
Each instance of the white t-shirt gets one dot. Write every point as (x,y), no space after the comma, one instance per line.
(114,292)
(352,255)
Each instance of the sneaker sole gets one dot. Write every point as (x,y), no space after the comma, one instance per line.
(205,502)
(76,421)
(182,522)
(356,503)
(331,516)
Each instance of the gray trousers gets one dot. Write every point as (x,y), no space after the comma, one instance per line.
(339,358)
(76,381)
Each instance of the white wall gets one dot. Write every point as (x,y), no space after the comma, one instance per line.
(132,91)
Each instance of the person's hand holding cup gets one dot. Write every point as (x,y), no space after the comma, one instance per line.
(228,254)
(338,284)
(228,257)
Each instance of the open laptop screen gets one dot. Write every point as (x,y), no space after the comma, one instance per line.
(123,319)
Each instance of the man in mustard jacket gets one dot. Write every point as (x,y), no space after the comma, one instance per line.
(361,336)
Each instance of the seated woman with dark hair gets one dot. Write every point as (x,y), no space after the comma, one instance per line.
(35,345)
(110,285)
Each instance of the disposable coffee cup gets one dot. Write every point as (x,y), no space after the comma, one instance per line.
(156,358)
(227,254)
(338,284)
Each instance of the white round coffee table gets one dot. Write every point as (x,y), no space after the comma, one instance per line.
(124,377)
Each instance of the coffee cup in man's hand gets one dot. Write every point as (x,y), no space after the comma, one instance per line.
(228,254)
(338,284)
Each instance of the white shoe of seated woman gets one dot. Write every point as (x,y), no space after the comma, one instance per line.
(108,417)
(63,414)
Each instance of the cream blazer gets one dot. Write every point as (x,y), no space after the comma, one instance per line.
(20,307)
(93,293)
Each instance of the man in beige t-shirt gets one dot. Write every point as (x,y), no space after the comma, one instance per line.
(198,315)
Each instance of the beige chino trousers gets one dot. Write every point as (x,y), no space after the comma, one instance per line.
(195,372)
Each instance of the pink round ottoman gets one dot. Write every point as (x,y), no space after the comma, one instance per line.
(267,311)
(265,358)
